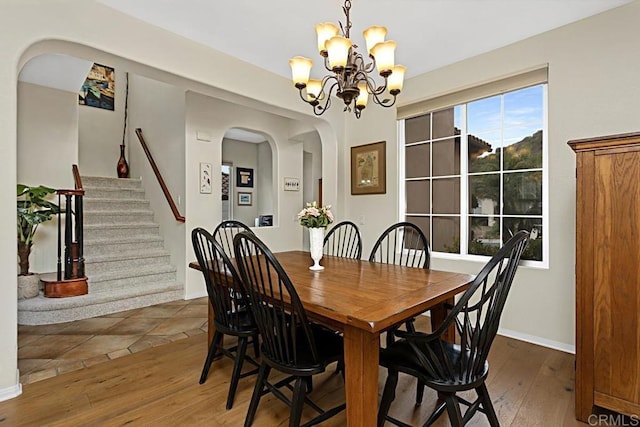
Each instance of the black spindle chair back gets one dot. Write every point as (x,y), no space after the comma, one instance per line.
(402,243)
(226,231)
(279,314)
(343,240)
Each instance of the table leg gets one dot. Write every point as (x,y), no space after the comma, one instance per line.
(438,314)
(361,376)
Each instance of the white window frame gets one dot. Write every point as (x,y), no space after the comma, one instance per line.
(464,175)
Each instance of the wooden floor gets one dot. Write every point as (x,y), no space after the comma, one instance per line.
(529,385)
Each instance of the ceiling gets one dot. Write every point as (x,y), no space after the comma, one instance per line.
(430,33)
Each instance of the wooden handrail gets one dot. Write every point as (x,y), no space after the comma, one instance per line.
(76,177)
(156,171)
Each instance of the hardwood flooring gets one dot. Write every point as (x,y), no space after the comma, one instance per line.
(529,385)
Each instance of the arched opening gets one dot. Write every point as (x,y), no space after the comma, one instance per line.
(247,178)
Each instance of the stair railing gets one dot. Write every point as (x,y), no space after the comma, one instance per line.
(73,230)
(156,171)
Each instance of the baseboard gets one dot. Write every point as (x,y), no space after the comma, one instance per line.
(13,391)
(556,345)
(567,348)
(195,295)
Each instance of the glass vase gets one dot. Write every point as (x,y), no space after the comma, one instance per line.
(316,241)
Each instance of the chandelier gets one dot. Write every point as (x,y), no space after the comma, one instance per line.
(351,76)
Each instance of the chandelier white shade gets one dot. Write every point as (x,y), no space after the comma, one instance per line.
(351,77)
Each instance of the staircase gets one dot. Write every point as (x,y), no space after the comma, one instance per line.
(125,261)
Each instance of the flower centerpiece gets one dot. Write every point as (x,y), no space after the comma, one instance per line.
(316,219)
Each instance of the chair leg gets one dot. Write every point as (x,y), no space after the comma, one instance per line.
(419,392)
(453,409)
(256,345)
(390,336)
(483,393)
(263,374)
(387,396)
(217,337)
(237,370)
(297,402)
(309,383)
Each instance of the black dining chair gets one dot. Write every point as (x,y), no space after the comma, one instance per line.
(231,314)
(291,344)
(405,244)
(343,240)
(451,368)
(226,231)
(402,243)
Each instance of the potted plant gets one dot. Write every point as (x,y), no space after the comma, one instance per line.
(33,210)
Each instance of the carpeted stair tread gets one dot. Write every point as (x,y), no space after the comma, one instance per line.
(137,272)
(121,225)
(123,240)
(125,256)
(42,303)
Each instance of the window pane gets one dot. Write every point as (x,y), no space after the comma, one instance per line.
(446,234)
(446,154)
(484,235)
(484,151)
(423,223)
(484,194)
(444,123)
(534,226)
(522,151)
(446,196)
(417,129)
(418,196)
(523,108)
(484,114)
(417,161)
(522,193)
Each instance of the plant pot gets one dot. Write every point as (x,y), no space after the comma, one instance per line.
(28,286)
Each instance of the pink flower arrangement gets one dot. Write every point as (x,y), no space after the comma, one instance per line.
(313,216)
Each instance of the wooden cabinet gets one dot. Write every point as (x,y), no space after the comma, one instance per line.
(608,274)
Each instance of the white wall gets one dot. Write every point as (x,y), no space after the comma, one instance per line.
(372,213)
(100,133)
(48,129)
(159,110)
(264,181)
(593,90)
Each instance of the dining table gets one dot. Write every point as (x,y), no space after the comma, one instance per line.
(362,299)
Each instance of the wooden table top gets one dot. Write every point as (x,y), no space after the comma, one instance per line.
(367,295)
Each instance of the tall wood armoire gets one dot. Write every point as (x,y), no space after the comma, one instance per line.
(608,274)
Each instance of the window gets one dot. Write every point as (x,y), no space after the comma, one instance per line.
(474,173)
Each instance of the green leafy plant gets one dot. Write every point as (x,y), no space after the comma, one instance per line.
(33,210)
(313,216)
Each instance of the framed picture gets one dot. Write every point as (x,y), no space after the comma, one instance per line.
(99,88)
(205,178)
(369,169)
(244,177)
(244,199)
